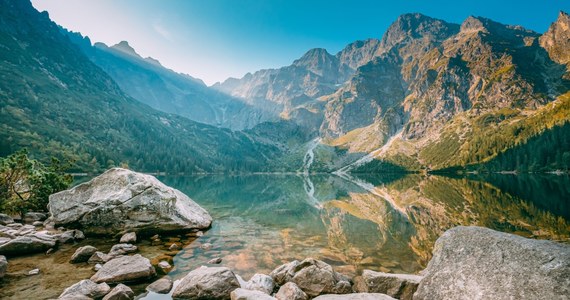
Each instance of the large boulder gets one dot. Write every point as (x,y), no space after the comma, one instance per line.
(313,276)
(3,266)
(400,286)
(214,283)
(32,243)
(86,288)
(358,296)
(245,294)
(475,262)
(121,200)
(125,269)
(161,286)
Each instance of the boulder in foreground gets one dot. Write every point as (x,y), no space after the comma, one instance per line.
(400,286)
(125,269)
(476,262)
(121,200)
(215,283)
(86,288)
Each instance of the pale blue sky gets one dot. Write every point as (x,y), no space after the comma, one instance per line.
(216,39)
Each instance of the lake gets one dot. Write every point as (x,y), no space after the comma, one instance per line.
(387,223)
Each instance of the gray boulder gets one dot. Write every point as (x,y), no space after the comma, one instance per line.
(128,238)
(358,296)
(290,291)
(121,200)
(120,292)
(82,254)
(27,244)
(316,277)
(3,266)
(125,269)
(475,262)
(5,219)
(207,283)
(400,286)
(122,249)
(284,273)
(262,283)
(99,258)
(244,294)
(86,288)
(161,286)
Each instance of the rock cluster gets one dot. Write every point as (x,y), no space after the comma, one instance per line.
(19,239)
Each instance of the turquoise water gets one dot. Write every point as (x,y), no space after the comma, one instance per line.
(387,223)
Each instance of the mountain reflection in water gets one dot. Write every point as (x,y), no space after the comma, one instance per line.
(389,223)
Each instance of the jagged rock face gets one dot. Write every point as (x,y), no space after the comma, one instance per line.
(121,200)
(557,39)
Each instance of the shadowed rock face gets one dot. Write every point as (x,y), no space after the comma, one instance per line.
(121,200)
(478,261)
(557,39)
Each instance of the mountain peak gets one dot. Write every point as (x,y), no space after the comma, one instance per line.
(315,58)
(557,39)
(124,47)
(416,26)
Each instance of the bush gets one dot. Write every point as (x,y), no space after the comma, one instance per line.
(25,184)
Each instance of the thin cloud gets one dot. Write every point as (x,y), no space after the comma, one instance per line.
(163,30)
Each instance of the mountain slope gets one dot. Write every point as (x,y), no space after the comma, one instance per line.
(54,101)
(146,80)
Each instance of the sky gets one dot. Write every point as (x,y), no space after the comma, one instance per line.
(216,39)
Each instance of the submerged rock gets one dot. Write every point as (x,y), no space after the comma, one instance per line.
(478,262)
(82,254)
(244,294)
(120,292)
(401,286)
(125,269)
(290,291)
(3,266)
(161,286)
(85,288)
(207,283)
(121,200)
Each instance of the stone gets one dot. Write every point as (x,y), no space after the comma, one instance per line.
(173,247)
(128,238)
(98,258)
(316,277)
(122,249)
(120,292)
(290,291)
(400,286)
(161,286)
(284,273)
(97,267)
(27,244)
(215,261)
(82,254)
(244,294)
(79,235)
(125,269)
(207,283)
(34,272)
(357,296)
(206,246)
(31,217)
(478,262)
(3,266)
(86,288)
(38,224)
(121,200)
(262,283)
(5,219)
(164,266)
(66,237)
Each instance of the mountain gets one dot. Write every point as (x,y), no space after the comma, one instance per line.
(146,80)
(428,95)
(56,102)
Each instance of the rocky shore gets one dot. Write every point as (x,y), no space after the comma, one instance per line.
(467,263)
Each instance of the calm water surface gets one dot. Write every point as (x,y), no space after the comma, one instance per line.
(387,223)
